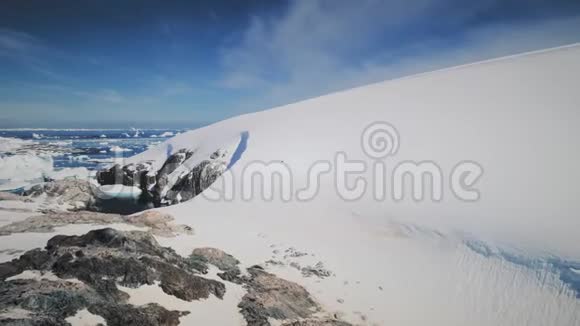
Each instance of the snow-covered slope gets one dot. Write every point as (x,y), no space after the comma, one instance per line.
(516,117)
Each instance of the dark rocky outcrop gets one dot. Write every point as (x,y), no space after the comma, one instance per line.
(317,270)
(179,179)
(272,297)
(223,261)
(126,314)
(316,322)
(50,302)
(101,259)
(85,270)
(161,178)
(128,175)
(76,194)
(268,296)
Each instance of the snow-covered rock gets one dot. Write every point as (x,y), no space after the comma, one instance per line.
(118,149)
(183,175)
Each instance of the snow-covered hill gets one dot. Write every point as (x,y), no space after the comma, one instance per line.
(509,258)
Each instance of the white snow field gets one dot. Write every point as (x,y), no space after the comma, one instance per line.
(509,258)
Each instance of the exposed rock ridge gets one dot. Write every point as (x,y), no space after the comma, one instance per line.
(181,177)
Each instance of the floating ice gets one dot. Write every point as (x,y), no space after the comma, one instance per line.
(18,171)
(78,158)
(10,144)
(25,167)
(163,135)
(167,134)
(60,143)
(119,192)
(118,149)
(79,173)
(137,132)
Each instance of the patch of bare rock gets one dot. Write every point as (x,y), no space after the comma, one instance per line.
(160,224)
(72,194)
(268,296)
(89,267)
(100,259)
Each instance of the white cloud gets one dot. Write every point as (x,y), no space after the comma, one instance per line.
(321,46)
(15,42)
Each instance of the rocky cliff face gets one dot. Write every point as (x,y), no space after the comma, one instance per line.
(181,177)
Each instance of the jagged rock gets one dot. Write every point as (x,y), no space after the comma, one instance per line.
(317,270)
(223,261)
(149,314)
(159,223)
(73,193)
(275,262)
(219,154)
(111,176)
(100,259)
(85,270)
(293,253)
(295,265)
(128,175)
(218,258)
(174,182)
(316,322)
(170,165)
(196,181)
(272,297)
(52,301)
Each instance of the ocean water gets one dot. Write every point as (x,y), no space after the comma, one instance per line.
(28,156)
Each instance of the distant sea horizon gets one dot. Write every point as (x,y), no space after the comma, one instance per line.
(151,125)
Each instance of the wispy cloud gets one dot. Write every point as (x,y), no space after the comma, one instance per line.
(321,46)
(33,54)
(28,51)
(103,95)
(14,42)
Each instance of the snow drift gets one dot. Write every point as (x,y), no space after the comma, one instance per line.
(516,117)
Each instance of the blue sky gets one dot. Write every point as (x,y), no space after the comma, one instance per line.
(81,63)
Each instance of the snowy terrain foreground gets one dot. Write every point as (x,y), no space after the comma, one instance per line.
(510,258)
